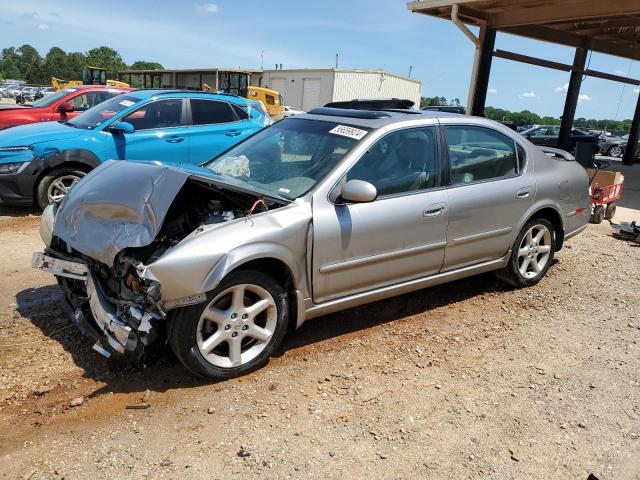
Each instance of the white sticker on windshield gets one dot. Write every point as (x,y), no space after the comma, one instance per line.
(284,190)
(126,103)
(350,132)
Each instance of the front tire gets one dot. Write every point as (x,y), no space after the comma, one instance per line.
(615,151)
(531,255)
(235,331)
(55,185)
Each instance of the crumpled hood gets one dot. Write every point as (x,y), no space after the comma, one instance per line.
(118,205)
(25,135)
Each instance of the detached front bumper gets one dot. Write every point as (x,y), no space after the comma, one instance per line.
(118,335)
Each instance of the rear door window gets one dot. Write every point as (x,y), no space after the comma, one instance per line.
(479,153)
(211,112)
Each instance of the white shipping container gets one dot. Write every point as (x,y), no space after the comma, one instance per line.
(351,84)
(311,88)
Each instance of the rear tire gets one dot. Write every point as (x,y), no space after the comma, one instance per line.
(223,337)
(598,214)
(531,255)
(610,211)
(56,183)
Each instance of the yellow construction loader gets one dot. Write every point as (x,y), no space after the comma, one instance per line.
(90,76)
(270,99)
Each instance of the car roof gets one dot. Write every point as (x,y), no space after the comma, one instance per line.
(372,118)
(144,94)
(96,87)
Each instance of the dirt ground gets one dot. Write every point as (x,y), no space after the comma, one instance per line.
(466,380)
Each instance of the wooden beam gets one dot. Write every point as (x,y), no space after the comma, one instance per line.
(567,10)
(516,57)
(422,5)
(583,26)
(609,76)
(573,40)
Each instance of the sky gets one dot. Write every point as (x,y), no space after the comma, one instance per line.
(304,34)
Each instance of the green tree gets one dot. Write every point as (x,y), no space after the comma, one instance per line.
(31,65)
(432,101)
(9,61)
(73,66)
(107,58)
(143,65)
(55,61)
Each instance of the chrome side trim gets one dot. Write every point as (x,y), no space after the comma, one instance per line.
(480,236)
(572,234)
(405,287)
(380,257)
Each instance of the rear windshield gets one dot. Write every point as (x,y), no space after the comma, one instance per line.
(102,112)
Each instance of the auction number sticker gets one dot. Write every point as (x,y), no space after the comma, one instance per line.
(126,103)
(350,132)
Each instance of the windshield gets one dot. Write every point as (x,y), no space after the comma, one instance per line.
(290,157)
(102,112)
(53,98)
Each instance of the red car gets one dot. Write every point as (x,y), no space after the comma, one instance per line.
(62,105)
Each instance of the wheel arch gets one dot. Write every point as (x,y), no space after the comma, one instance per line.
(280,272)
(82,159)
(552,215)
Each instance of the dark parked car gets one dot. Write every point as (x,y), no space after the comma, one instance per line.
(547,136)
(614,146)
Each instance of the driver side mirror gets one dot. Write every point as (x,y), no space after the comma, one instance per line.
(122,127)
(358,191)
(66,107)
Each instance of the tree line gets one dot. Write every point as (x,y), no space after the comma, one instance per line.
(26,63)
(526,117)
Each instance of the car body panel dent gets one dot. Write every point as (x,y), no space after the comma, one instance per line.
(100,226)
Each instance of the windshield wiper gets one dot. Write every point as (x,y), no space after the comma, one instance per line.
(69,124)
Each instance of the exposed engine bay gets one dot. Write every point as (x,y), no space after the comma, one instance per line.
(119,302)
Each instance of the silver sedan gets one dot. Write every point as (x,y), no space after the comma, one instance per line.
(314,214)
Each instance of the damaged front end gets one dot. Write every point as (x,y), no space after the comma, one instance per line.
(111,228)
(116,307)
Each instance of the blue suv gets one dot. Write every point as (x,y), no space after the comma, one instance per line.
(40,162)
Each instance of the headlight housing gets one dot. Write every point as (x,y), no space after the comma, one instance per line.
(14,149)
(15,167)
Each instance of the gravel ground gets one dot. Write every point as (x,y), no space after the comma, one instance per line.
(466,380)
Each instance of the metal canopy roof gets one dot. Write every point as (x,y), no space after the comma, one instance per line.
(611,26)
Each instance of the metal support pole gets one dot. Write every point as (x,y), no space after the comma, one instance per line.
(571,101)
(483,72)
(631,152)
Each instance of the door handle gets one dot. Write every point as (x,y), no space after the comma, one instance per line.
(174,139)
(524,192)
(434,210)
(233,133)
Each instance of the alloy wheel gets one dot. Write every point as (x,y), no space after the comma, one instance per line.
(615,151)
(60,186)
(534,251)
(237,325)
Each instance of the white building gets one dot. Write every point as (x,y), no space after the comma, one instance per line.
(310,88)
